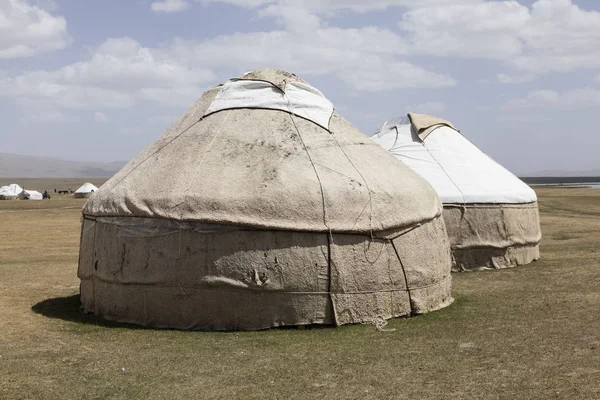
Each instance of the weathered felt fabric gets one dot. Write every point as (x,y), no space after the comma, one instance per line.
(278,222)
(256,279)
(484,258)
(496,235)
(250,167)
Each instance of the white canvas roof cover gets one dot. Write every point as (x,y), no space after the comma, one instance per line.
(456,168)
(15,188)
(6,191)
(299,99)
(86,188)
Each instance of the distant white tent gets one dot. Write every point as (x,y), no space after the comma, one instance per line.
(6,193)
(30,195)
(85,190)
(15,188)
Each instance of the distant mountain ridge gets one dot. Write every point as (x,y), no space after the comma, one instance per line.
(557,173)
(25,166)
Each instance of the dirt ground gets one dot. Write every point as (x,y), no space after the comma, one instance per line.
(532,332)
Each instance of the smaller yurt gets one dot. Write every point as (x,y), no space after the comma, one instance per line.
(30,195)
(6,193)
(85,191)
(491,215)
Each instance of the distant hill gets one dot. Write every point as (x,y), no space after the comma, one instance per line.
(17,165)
(557,173)
(545,180)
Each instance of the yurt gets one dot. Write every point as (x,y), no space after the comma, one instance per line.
(85,191)
(15,188)
(30,195)
(10,192)
(6,193)
(262,207)
(491,216)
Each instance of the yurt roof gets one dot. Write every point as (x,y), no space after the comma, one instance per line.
(15,188)
(6,191)
(86,188)
(458,170)
(268,150)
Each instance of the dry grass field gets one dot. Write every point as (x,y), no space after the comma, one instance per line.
(531,332)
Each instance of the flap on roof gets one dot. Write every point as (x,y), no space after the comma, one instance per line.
(277,77)
(424,124)
(296,98)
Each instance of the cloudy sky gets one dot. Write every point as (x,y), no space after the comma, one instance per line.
(101,79)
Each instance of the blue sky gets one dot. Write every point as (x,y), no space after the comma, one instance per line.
(100,80)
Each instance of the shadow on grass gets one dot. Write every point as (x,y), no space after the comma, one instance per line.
(69,309)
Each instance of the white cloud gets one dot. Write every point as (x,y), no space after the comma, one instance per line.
(319,52)
(367,58)
(31,90)
(292,17)
(560,37)
(383,76)
(240,3)
(597,78)
(552,35)
(320,6)
(118,74)
(482,30)
(522,119)
(579,98)
(169,6)
(172,97)
(48,5)
(514,79)
(429,107)
(27,30)
(163,119)
(100,117)
(124,63)
(54,117)
(121,72)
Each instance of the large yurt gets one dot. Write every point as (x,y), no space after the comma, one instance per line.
(85,191)
(491,215)
(262,207)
